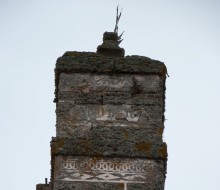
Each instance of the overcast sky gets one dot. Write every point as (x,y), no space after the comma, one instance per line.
(185,34)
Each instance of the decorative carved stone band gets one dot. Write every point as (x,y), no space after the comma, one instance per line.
(95,169)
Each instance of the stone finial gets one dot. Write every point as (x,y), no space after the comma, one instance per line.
(110,46)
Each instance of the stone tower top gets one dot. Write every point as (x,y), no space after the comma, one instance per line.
(110,46)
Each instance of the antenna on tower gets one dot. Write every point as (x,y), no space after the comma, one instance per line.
(118,16)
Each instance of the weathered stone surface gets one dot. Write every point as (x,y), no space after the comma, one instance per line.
(148,99)
(88,83)
(119,98)
(116,89)
(88,62)
(99,146)
(111,89)
(115,171)
(147,186)
(109,113)
(108,133)
(83,185)
(70,116)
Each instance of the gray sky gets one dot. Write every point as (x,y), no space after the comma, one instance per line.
(185,34)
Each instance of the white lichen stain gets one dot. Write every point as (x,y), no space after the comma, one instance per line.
(104,115)
(132,117)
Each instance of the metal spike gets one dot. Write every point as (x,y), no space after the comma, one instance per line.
(119,37)
(117,19)
(116,29)
(117,14)
(119,41)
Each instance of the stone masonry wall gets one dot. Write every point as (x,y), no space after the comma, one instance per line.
(109,128)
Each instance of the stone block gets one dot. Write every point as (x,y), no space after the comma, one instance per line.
(83,185)
(72,117)
(107,173)
(89,83)
(99,146)
(108,132)
(89,62)
(80,98)
(108,113)
(115,98)
(159,185)
(120,98)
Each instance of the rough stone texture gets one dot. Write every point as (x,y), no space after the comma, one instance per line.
(83,185)
(113,146)
(146,186)
(111,114)
(113,134)
(119,117)
(88,62)
(96,170)
(111,89)
(90,83)
(89,103)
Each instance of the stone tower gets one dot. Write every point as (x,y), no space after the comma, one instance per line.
(110,121)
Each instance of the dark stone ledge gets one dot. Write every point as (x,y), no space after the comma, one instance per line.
(116,147)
